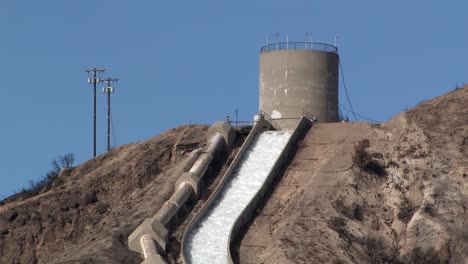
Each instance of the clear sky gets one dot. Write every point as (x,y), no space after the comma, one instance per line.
(197,61)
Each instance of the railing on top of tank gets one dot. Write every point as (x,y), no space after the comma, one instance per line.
(299,46)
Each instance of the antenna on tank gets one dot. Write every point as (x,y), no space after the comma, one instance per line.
(108,89)
(94,79)
(237,119)
(277,38)
(306,36)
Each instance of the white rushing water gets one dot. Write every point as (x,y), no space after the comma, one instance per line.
(208,242)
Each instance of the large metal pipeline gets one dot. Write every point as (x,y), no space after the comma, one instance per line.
(204,160)
(171,206)
(150,237)
(149,247)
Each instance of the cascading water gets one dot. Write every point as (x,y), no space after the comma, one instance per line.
(208,242)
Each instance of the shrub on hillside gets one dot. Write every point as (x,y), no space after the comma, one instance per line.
(406,210)
(355,211)
(429,209)
(45,182)
(366,161)
(419,256)
(374,247)
(338,224)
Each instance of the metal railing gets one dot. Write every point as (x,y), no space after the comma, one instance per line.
(299,46)
(268,118)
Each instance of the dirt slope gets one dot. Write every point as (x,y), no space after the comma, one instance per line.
(88,218)
(362,193)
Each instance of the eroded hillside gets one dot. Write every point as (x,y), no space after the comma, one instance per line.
(362,193)
(89,215)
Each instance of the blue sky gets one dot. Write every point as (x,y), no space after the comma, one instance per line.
(181,62)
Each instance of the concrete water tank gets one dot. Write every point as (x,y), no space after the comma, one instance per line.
(299,79)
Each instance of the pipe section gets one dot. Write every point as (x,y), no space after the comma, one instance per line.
(151,255)
(205,158)
(171,206)
(151,236)
(148,245)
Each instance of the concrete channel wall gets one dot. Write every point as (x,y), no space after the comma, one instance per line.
(150,237)
(260,126)
(275,172)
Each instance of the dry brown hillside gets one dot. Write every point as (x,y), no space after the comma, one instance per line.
(362,193)
(354,193)
(88,215)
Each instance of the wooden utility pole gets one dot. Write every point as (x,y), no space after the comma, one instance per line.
(94,80)
(108,89)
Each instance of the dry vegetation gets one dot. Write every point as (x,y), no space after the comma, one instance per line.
(89,215)
(362,193)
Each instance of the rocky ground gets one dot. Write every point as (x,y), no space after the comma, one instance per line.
(361,193)
(354,193)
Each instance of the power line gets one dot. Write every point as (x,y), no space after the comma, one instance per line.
(340,113)
(363,117)
(346,90)
(349,101)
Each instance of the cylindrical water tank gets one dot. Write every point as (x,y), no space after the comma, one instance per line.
(299,79)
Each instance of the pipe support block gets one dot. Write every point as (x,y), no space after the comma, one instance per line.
(190,179)
(225,129)
(151,227)
(154,259)
(201,165)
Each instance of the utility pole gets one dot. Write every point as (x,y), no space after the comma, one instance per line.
(237,121)
(108,89)
(94,80)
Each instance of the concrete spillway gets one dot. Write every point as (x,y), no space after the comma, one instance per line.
(209,240)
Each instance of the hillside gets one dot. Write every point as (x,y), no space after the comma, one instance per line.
(88,217)
(354,193)
(362,193)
